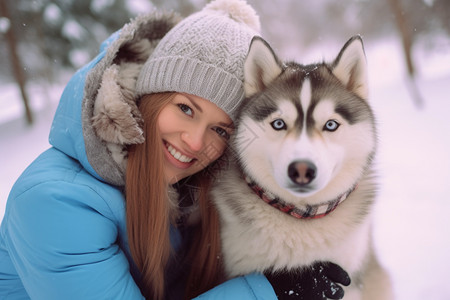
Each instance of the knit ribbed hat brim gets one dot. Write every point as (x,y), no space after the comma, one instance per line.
(187,75)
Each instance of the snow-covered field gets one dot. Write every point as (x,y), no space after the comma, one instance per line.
(414,164)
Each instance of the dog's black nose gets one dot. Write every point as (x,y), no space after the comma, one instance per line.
(302,172)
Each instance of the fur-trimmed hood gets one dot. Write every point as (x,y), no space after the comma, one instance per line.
(97,116)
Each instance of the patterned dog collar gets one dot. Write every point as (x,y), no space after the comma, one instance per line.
(307,212)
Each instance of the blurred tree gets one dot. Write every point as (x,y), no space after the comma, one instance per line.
(406,33)
(48,35)
(66,32)
(308,22)
(16,63)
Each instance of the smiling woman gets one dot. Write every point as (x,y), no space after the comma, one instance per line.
(188,126)
(185,134)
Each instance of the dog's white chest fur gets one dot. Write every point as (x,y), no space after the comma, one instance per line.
(257,237)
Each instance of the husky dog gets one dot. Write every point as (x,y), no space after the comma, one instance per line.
(300,185)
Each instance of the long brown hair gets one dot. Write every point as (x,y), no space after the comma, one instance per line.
(204,256)
(148,214)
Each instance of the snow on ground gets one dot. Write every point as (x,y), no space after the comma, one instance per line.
(414,173)
(414,166)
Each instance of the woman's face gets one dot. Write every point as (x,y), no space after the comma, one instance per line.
(194,133)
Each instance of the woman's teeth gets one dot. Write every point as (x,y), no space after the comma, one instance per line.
(178,155)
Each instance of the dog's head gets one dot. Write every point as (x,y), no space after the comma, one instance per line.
(305,130)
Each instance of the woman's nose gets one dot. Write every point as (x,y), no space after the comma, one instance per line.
(194,138)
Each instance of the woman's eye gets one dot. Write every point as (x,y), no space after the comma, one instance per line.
(278,124)
(186,109)
(222,132)
(331,125)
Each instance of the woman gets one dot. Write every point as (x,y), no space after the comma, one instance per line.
(117,208)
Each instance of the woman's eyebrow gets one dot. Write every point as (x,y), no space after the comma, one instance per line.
(227,125)
(194,103)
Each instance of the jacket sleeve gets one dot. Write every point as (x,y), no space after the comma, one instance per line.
(253,286)
(63,248)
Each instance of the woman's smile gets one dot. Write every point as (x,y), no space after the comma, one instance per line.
(176,157)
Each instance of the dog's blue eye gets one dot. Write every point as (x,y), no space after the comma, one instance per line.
(331,125)
(278,124)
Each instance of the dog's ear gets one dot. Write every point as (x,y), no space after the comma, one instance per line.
(350,67)
(261,66)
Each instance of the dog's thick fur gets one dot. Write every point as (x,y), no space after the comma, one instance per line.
(306,135)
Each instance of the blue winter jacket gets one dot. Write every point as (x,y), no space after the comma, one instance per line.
(63,235)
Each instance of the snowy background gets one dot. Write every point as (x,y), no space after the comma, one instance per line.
(414,166)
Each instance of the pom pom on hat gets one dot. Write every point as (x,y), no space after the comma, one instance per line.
(237,10)
(204,55)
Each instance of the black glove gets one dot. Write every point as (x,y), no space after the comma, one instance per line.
(319,281)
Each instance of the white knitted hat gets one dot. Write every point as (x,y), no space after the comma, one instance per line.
(204,55)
